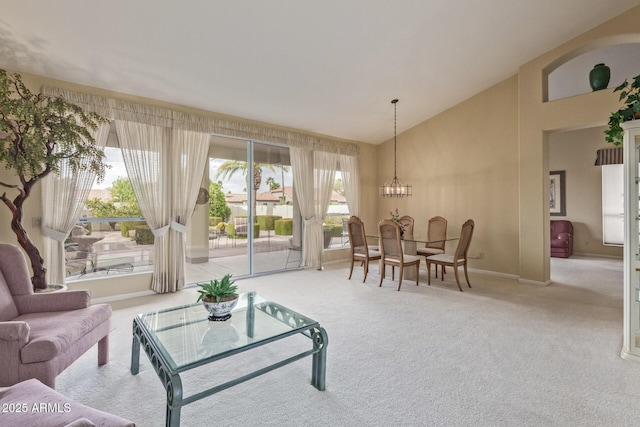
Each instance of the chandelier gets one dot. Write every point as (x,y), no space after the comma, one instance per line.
(395,187)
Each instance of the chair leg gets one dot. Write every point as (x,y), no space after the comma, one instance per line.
(381,273)
(351,271)
(466,275)
(455,270)
(400,276)
(429,272)
(366,269)
(417,272)
(103,350)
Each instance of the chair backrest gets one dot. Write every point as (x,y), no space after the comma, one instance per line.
(560,226)
(14,279)
(357,237)
(465,240)
(436,232)
(407,223)
(389,236)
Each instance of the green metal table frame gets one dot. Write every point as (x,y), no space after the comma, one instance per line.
(171,378)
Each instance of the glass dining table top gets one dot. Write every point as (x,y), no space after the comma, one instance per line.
(417,239)
(186,338)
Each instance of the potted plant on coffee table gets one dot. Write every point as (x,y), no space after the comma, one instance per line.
(219,297)
(630,110)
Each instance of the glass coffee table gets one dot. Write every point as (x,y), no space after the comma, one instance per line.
(182,338)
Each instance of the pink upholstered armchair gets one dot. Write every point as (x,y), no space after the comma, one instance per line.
(561,239)
(42,334)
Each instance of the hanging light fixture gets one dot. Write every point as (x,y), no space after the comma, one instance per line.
(395,187)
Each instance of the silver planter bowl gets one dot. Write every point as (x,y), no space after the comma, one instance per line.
(220,310)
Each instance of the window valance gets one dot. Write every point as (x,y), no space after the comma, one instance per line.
(609,156)
(142,113)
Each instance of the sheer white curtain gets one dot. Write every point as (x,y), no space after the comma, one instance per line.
(189,155)
(145,151)
(351,181)
(313,179)
(63,197)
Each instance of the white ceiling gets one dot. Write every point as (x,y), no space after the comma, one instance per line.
(329,66)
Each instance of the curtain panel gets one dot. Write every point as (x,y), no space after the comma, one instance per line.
(63,198)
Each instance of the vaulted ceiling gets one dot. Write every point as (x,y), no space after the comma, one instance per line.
(330,67)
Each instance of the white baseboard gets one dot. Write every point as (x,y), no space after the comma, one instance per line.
(122,296)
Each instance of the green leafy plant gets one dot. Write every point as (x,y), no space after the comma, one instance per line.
(630,96)
(218,290)
(38,133)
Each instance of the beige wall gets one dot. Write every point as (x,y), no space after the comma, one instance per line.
(463,164)
(539,118)
(574,152)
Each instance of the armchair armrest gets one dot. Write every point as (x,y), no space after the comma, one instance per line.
(57,301)
(15,331)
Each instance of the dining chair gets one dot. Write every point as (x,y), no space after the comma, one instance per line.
(436,235)
(459,258)
(392,254)
(407,223)
(359,249)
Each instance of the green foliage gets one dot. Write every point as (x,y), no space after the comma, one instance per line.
(122,191)
(100,209)
(267,222)
(214,220)
(217,202)
(231,230)
(144,235)
(338,187)
(39,132)
(272,183)
(630,97)
(284,227)
(217,289)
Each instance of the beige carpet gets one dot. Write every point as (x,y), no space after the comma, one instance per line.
(499,354)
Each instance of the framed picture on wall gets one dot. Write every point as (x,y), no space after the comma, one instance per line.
(557,205)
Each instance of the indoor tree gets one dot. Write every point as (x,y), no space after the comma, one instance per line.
(38,133)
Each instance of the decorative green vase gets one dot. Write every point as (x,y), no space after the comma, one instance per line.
(599,77)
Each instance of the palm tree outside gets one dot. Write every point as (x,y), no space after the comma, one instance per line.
(230,167)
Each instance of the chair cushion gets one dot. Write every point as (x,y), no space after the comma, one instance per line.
(429,251)
(443,258)
(8,309)
(372,254)
(54,332)
(407,258)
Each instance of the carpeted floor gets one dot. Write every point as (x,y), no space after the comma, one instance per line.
(499,354)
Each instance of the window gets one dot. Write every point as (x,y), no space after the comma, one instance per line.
(111,236)
(335,223)
(613,205)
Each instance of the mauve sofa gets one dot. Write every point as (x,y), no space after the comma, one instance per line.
(561,238)
(42,334)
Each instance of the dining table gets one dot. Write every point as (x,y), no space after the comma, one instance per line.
(410,244)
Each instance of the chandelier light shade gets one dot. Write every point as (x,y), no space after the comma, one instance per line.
(395,187)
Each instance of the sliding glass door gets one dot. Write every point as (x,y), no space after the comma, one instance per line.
(252,219)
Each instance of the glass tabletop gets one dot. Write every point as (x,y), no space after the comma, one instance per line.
(185,337)
(418,239)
